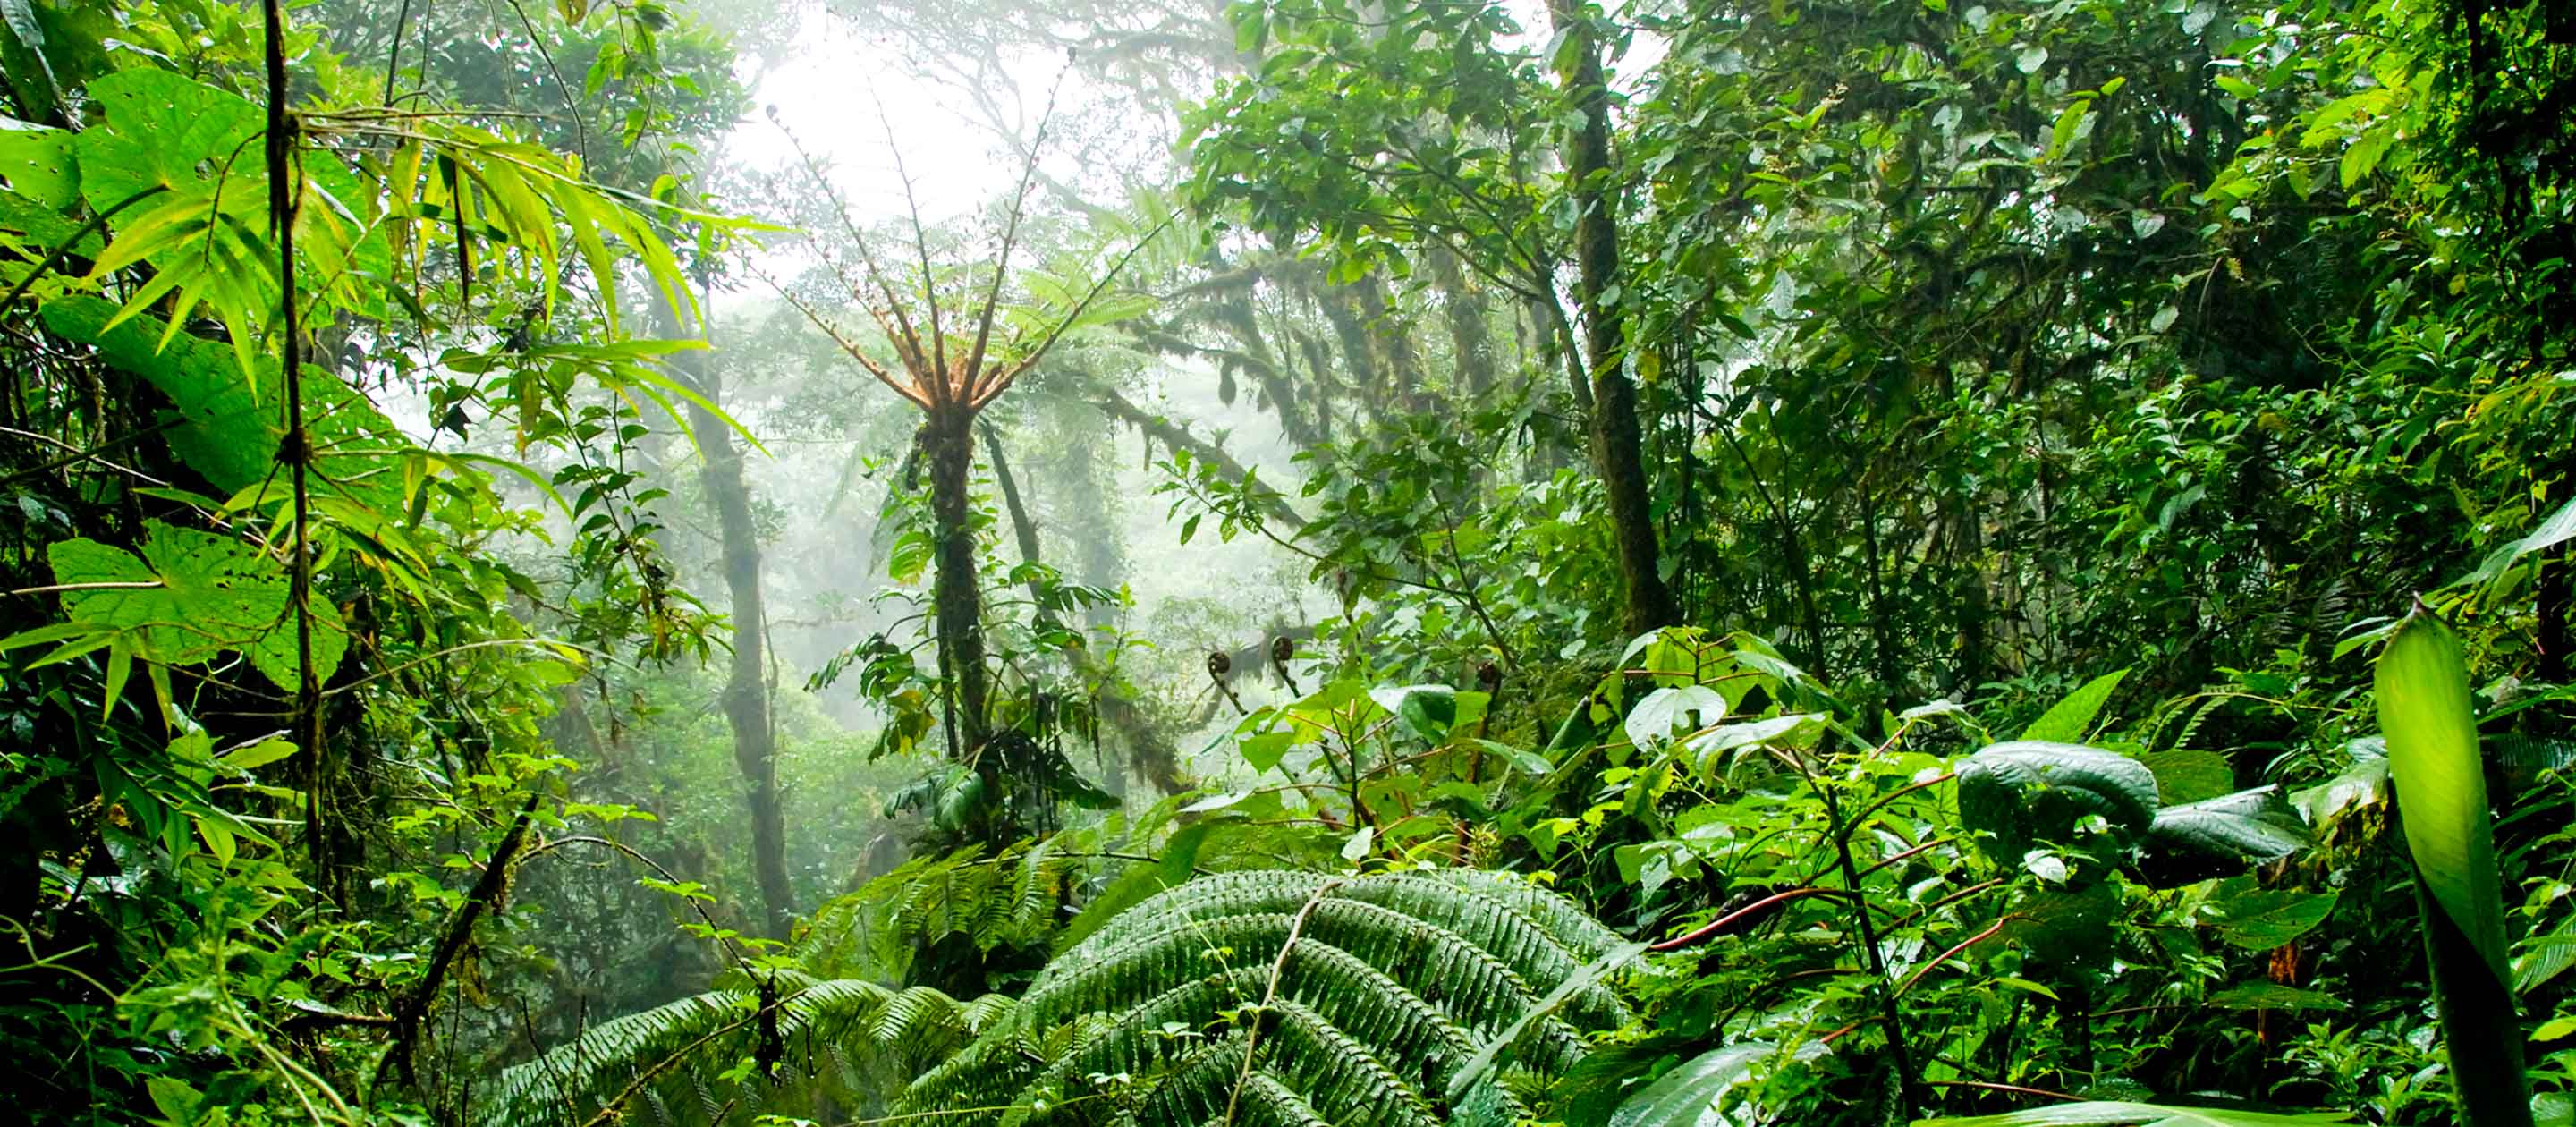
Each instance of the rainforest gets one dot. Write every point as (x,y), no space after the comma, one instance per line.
(1288,563)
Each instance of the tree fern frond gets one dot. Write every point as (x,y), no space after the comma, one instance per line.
(679,1049)
(1362,997)
(1009,898)
(1340,1076)
(1192,1094)
(1556,915)
(1261,1101)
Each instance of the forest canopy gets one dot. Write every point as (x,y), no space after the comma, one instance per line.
(1606,563)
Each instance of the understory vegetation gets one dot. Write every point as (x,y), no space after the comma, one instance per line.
(1640,563)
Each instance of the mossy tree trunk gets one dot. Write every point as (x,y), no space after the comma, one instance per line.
(746,692)
(1616,438)
(957,599)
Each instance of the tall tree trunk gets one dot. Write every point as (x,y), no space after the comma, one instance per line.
(1616,452)
(1471,345)
(957,601)
(746,692)
(1148,750)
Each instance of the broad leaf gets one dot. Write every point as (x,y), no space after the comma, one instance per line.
(2273,996)
(2108,1112)
(1690,1095)
(2068,721)
(228,428)
(2025,792)
(2432,734)
(191,597)
(2263,919)
(1713,744)
(2365,783)
(2247,827)
(1650,724)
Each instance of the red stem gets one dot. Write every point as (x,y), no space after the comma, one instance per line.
(1712,927)
(1991,931)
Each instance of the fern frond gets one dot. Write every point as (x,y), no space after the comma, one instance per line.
(1361,998)
(678,1051)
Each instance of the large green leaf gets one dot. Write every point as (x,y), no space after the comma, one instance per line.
(163,130)
(2262,919)
(191,597)
(37,163)
(2025,792)
(228,428)
(2432,734)
(2249,826)
(2068,721)
(1691,1095)
(2272,996)
(2558,529)
(2110,1112)
(2423,690)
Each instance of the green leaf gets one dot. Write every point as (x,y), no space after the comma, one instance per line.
(2432,733)
(1650,724)
(2544,958)
(2185,775)
(37,163)
(174,1099)
(1263,751)
(1428,710)
(162,129)
(2069,124)
(1716,742)
(2263,919)
(2558,529)
(191,597)
(2108,1113)
(259,754)
(2364,783)
(2251,826)
(2068,721)
(228,428)
(2025,792)
(2272,996)
(1690,1095)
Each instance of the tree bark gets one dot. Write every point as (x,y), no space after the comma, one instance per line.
(746,693)
(957,601)
(1616,438)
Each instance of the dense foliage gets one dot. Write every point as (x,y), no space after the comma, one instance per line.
(1673,562)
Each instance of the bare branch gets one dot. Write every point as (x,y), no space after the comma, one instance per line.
(937,384)
(846,345)
(1010,240)
(867,256)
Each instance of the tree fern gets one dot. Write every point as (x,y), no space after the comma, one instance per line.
(1356,1000)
